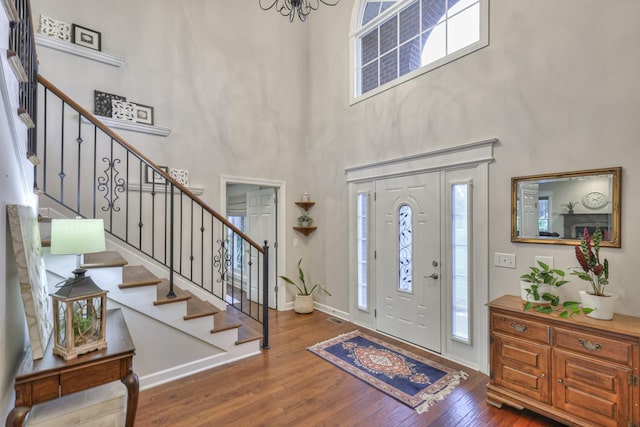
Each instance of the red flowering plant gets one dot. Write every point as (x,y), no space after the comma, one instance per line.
(592,270)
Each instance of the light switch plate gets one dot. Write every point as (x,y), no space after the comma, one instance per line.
(504,260)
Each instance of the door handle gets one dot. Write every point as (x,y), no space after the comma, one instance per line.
(433,275)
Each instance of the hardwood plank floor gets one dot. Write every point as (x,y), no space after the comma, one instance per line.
(289,386)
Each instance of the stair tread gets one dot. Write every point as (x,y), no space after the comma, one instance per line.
(222,322)
(103,259)
(246,334)
(163,290)
(199,308)
(137,275)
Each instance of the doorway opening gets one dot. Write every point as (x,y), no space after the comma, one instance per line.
(256,207)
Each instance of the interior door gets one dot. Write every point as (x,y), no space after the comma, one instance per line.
(408,258)
(261,226)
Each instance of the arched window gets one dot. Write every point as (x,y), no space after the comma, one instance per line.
(400,39)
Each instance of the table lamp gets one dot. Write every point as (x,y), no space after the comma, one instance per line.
(79,306)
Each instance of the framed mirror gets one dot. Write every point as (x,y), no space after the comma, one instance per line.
(555,208)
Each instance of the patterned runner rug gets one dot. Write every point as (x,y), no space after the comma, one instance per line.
(413,380)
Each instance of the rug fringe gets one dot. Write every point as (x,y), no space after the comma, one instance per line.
(432,399)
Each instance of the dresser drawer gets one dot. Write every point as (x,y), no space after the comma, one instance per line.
(593,345)
(520,328)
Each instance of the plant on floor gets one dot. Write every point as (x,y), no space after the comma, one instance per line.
(304,295)
(301,287)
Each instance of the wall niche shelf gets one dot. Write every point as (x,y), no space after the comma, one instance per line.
(135,127)
(74,49)
(305,230)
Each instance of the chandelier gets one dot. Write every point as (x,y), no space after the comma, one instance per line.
(292,7)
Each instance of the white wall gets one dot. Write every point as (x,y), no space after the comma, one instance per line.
(557,86)
(16,185)
(557,90)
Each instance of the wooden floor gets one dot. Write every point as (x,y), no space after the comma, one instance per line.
(289,386)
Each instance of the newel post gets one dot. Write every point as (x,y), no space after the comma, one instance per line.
(265,297)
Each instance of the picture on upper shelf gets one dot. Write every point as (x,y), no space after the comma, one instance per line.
(102,103)
(86,37)
(153,177)
(54,28)
(143,114)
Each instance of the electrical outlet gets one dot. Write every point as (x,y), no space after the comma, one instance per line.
(295,242)
(546,259)
(504,260)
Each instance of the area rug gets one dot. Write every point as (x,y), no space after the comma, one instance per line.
(412,379)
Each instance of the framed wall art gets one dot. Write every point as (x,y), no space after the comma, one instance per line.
(54,28)
(155,178)
(122,110)
(143,114)
(102,103)
(86,37)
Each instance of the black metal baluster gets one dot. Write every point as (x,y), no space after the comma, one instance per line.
(79,141)
(171,293)
(265,297)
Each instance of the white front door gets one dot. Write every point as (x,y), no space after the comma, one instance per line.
(408,294)
(261,208)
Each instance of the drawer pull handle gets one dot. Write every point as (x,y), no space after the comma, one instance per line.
(589,345)
(519,328)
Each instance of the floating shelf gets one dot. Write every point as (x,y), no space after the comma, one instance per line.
(135,127)
(305,230)
(305,205)
(74,49)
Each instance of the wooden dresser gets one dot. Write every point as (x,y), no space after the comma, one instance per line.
(579,371)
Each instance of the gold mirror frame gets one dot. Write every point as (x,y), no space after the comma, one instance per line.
(614,201)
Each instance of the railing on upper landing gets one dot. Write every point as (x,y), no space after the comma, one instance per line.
(21,55)
(92,171)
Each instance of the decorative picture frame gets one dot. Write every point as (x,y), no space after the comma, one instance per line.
(143,114)
(155,178)
(180,175)
(86,37)
(102,103)
(123,110)
(54,28)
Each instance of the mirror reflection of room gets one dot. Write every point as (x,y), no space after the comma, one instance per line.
(559,207)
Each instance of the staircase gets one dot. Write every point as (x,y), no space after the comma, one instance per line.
(161,240)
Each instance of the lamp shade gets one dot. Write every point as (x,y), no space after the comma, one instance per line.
(77,236)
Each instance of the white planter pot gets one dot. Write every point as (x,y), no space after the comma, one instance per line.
(303,304)
(602,306)
(542,289)
(305,224)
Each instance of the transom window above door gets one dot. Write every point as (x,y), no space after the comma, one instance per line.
(395,41)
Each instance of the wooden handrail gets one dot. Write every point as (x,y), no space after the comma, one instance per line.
(96,122)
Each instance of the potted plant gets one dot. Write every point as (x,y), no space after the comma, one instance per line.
(536,291)
(305,220)
(304,295)
(570,206)
(537,285)
(596,273)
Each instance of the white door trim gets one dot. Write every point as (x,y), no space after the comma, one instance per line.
(282,197)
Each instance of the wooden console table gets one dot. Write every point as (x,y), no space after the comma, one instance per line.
(52,377)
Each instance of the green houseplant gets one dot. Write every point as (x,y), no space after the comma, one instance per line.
(305,220)
(304,295)
(541,280)
(596,274)
(570,206)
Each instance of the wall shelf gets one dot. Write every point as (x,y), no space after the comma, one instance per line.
(74,49)
(132,126)
(305,205)
(305,230)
